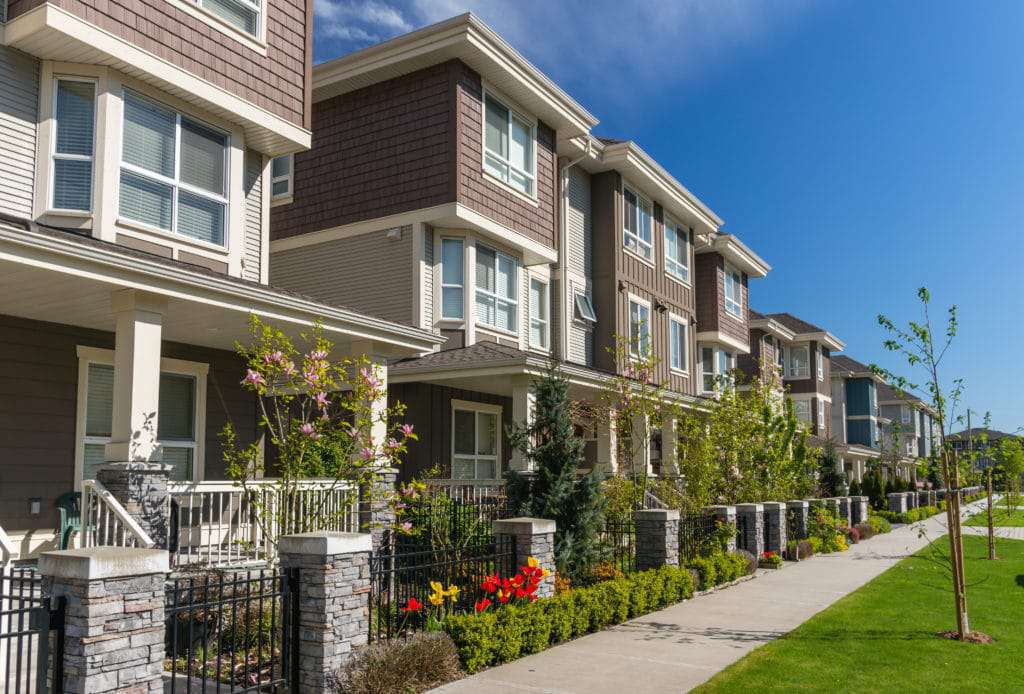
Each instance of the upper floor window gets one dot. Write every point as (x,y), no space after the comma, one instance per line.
(281,177)
(452,273)
(799,363)
(639,328)
(733,291)
(174,172)
(585,308)
(677,251)
(905,414)
(75,116)
(508,146)
(540,325)
(780,355)
(820,357)
(678,344)
(241,14)
(496,296)
(636,224)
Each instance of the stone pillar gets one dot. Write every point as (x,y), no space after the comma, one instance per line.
(524,403)
(669,443)
(114,618)
(727,515)
(922,498)
(334,601)
(858,509)
(376,516)
(775,526)
(844,509)
(801,509)
(607,445)
(751,520)
(657,538)
(142,489)
(534,537)
(898,502)
(940,494)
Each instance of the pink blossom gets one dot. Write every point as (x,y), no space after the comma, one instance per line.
(407,429)
(289,368)
(275,357)
(253,378)
(371,380)
(311,377)
(309,430)
(321,400)
(318,355)
(391,444)
(406,526)
(367,454)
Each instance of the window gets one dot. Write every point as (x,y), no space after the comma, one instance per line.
(636,225)
(677,251)
(802,408)
(677,337)
(799,362)
(707,368)
(173,172)
(241,14)
(905,414)
(475,442)
(726,365)
(780,355)
(821,416)
(820,358)
(508,146)
(716,365)
(75,115)
(639,329)
(539,307)
(585,308)
(733,289)
(452,274)
(496,301)
(281,176)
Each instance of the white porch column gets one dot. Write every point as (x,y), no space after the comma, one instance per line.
(641,443)
(607,445)
(139,319)
(524,404)
(669,441)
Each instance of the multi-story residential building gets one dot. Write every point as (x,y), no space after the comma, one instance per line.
(137,141)
(911,426)
(453,187)
(981,441)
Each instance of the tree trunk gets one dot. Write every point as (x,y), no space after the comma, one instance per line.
(952,478)
(991,525)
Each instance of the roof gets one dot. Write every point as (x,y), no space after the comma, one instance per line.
(887,393)
(804,330)
(476,355)
(841,362)
(797,325)
(974,432)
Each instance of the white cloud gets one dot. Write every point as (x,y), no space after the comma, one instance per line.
(358,22)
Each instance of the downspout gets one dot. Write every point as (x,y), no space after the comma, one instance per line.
(562,352)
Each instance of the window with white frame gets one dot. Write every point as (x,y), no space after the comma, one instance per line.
(639,328)
(636,223)
(904,414)
(496,283)
(174,172)
(282,176)
(540,324)
(678,358)
(677,250)
(475,441)
(177,420)
(716,366)
(799,364)
(819,355)
(74,139)
(584,308)
(733,291)
(780,355)
(802,408)
(245,15)
(821,415)
(508,145)
(452,278)
(726,366)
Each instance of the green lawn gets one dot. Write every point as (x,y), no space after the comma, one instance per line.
(881,638)
(1007,518)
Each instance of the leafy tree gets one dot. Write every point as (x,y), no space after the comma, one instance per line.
(1009,467)
(555,490)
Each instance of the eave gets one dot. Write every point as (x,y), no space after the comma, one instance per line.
(737,253)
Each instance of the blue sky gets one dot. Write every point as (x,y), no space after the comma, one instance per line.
(863,149)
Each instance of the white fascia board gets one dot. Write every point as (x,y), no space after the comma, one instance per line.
(736,252)
(826,338)
(773,327)
(723,339)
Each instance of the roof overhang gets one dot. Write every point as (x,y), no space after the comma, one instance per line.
(53,33)
(737,253)
(468,39)
(724,339)
(772,327)
(822,337)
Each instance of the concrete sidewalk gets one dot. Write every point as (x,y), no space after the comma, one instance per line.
(681,646)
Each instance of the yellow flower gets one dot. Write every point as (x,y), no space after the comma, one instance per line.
(452,592)
(437,587)
(532,563)
(436,598)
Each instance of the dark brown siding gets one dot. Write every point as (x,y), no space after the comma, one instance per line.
(605,207)
(276,82)
(38,401)
(711,313)
(812,384)
(429,410)
(382,150)
(478,192)
(751,364)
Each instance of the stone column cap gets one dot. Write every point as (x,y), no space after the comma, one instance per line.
(656,514)
(722,507)
(524,526)
(798,503)
(325,543)
(773,505)
(749,508)
(96,563)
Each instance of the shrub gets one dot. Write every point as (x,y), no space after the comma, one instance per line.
(804,549)
(421,662)
(707,572)
(853,535)
(815,543)
(865,530)
(879,525)
(606,571)
(747,562)
(770,560)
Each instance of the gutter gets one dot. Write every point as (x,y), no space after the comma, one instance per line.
(563,248)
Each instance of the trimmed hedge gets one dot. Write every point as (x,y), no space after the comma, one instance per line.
(911,516)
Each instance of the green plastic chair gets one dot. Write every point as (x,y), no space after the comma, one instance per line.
(70,506)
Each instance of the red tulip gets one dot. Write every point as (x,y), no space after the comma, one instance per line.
(482,604)
(413,605)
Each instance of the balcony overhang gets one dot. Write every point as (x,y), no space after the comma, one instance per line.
(50,32)
(772,327)
(824,337)
(724,339)
(737,253)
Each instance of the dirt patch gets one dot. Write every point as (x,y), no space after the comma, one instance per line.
(972,637)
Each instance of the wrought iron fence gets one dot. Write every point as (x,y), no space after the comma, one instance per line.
(236,632)
(793,529)
(742,525)
(697,535)
(620,539)
(397,577)
(31,633)
(447,524)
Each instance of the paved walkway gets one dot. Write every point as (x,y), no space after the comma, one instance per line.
(682,646)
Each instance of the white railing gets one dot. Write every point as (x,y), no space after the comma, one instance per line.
(220,523)
(469,491)
(106,523)
(8,552)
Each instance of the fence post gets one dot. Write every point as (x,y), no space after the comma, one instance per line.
(727,515)
(844,509)
(800,510)
(142,489)
(933,498)
(657,538)
(897,502)
(533,537)
(833,506)
(334,601)
(376,516)
(858,510)
(911,500)
(753,533)
(113,619)
(775,525)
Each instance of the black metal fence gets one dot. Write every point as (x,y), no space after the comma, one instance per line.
(697,535)
(443,523)
(793,529)
(400,577)
(742,524)
(31,634)
(233,632)
(619,537)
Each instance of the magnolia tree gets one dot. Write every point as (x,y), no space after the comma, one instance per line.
(319,418)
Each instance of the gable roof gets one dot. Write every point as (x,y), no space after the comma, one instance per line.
(888,393)
(841,362)
(797,325)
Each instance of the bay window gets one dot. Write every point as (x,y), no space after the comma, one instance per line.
(717,366)
(799,362)
(452,278)
(174,172)
(733,291)
(636,223)
(677,251)
(539,308)
(496,282)
(508,146)
(639,329)
(73,144)
(821,416)
(678,346)
(475,441)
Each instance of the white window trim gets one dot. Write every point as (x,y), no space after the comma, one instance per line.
(821,414)
(738,301)
(684,278)
(51,187)
(497,297)
(820,363)
(586,321)
(543,323)
(441,283)
(512,109)
(97,355)
(716,369)
(790,373)
(684,370)
(283,198)
(640,200)
(634,299)
(257,43)
(477,407)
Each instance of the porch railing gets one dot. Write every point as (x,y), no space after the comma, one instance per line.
(106,523)
(469,491)
(8,552)
(220,523)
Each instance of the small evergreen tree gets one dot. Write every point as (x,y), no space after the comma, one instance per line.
(555,490)
(855,489)
(831,481)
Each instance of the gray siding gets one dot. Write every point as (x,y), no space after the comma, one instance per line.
(19,109)
(427,297)
(580,258)
(252,253)
(581,338)
(369,273)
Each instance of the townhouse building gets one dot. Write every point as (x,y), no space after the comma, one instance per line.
(137,140)
(911,427)
(979,440)
(453,187)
